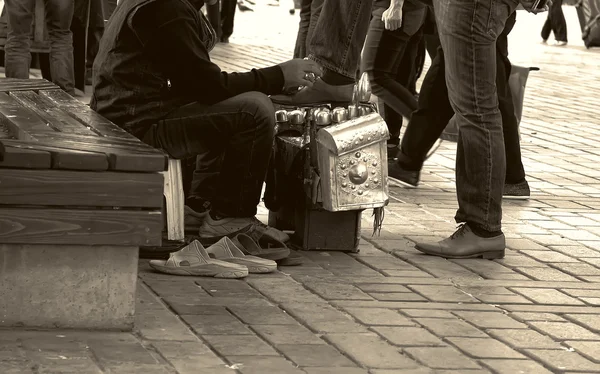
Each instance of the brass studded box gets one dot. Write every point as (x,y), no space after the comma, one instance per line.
(352,163)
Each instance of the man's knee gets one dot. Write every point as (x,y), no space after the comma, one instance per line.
(379,81)
(260,108)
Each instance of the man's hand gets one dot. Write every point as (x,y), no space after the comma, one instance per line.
(392,17)
(528,6)
(299,72)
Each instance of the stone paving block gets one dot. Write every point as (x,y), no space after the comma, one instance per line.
(408,336)
(197,309)
(579,251)
(130,367)
(548,240)
(579,269)
(421,370)
(522,243)
(397,296)
(175,287)
(549,256)
(262,315)
(439,267)
(503,299)
(485,348)
(508,366)
(382,287)
(333,290)
(322,317)
(223,324)
(562,360)
(283,290)
(387,262)
(262,365)
(565,331)
(522,338)
(311,355)
(442,358)
(332,370)
(187,357)
(379,316)
(446,328)
(547,296)
(591,321)
(24,367)
(161,325)
(558,309)
(490,320)
(581,293)
(548,274)
(370,350)
(443,293)
(426,313)
(110,348)
(239,345)
(287,334)
(407,273)
(577,234)
(587,348)
(518,260)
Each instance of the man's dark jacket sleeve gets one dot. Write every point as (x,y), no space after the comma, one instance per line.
(169,30)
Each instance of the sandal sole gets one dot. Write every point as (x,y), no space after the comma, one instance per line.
(199,272)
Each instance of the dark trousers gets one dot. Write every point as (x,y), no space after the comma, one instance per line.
(227,16)
(389,59)
(555,23)
(434,112)
(232,141)
(310,10)
(17,56)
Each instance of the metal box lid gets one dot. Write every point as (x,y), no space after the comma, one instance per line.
(352,134)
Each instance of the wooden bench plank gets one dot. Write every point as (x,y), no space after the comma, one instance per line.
(21,121)
(14,84)
(51,113)
(80,226)
(120,157)
(66,159)
(24,158)
(84,114)
(72,188)
(137,146)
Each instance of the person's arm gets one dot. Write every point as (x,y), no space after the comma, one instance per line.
(186,59)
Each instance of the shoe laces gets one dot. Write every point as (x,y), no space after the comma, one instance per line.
(460,231)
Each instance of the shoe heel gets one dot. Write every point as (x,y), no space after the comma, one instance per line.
(493,255)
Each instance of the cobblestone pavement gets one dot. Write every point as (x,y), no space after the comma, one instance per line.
(390,309)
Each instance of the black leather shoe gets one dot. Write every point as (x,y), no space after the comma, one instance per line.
(409,178)
(465,244)
(319,93)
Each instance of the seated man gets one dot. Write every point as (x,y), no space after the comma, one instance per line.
(153,77)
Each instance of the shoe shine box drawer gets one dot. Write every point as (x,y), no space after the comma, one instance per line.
(352,160)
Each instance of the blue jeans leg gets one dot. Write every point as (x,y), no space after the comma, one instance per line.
(468,31)
(17,58)
(339,35)
(59,14)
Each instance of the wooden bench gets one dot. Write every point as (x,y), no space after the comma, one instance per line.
(78,197)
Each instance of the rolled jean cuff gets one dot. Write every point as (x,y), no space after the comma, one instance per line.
(331,67)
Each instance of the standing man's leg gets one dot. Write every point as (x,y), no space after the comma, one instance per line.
(336,44)
(558,22)
(468,33)
(300,48)
(17,56)
(59,14)
(227,18)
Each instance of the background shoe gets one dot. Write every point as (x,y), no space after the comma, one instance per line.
(226,250)
(517,191)
(212,230)
(194,260)
(192,219)
(465,244)
(268,248)
(319,93)
(560,43)
(409,178)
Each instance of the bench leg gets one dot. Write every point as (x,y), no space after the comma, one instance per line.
(174,198)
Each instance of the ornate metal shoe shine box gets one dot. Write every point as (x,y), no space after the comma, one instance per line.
(352,159)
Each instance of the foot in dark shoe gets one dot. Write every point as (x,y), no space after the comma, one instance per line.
(392,152)
(517,191)
(319,93)
(465,244)
(409,178)
(225,39)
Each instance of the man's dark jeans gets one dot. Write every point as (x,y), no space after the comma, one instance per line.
(309,14)
(434,112)
(468,33)
(233,141)
(339,35)
(389,59)
(555,23)
(17,60)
